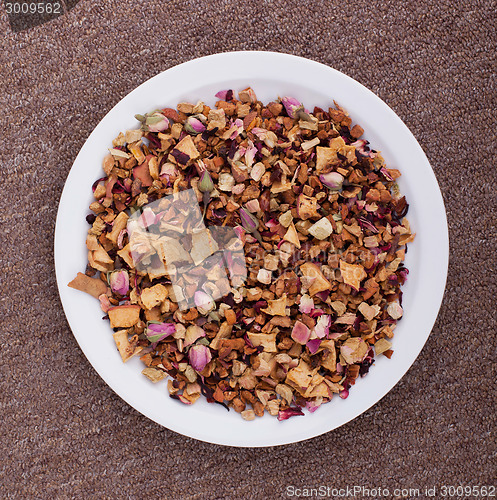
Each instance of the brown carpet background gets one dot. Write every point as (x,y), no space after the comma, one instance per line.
(64,433)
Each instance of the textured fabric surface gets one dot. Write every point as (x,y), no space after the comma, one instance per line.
(64,433)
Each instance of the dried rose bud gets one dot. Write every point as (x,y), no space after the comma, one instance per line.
(332,180)
(119,281)
(205,185)
(204,302)
(157,331)
(300,333)
(153,122)
(292,106)
(199,356)
(250,223)
(194,125)
(366,224)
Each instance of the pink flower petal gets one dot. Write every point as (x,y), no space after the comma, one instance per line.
(300,333)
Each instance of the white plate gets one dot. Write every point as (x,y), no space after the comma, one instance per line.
(271,75)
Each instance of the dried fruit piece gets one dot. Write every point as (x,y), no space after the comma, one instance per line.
(321,229)
(154,375)
(318,283)
(126,348)
(124,316)
(193,333)
(153,296)
(395,310)
(92,286)
(307,207)
(276,307)
(203,245)
(369,312)
(292,236)
(118,225)
(354,350)
(381,346)
(352,274)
